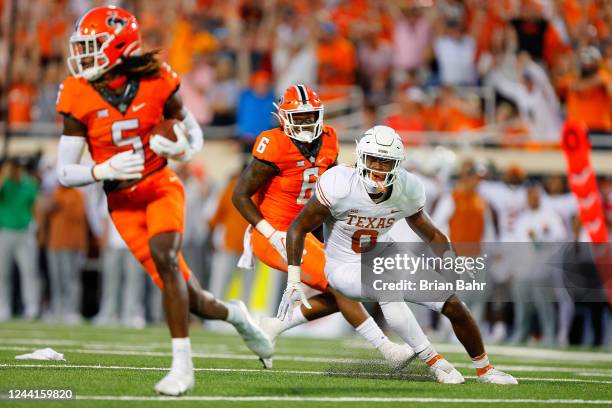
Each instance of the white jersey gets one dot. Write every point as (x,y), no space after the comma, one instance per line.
(508,202)
(357,222)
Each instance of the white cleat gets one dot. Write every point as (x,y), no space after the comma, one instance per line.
(398,356)
(268,325)
(494,376)
(445,373)
(254,337)
(177,382)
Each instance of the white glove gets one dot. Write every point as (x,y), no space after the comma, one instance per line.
(180,150)
(126,165)
(292,294)
(278,239)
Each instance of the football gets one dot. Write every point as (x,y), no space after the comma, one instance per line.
(165,128)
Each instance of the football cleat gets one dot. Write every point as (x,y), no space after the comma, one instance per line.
(495,376)
(445,373)
(253,336)
(398,356)
(177,382)
(268,325)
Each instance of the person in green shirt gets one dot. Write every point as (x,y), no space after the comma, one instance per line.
(18,192)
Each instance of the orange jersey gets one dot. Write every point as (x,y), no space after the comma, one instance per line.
(288,191)
(108,130)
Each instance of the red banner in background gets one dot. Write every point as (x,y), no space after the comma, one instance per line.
(583,184)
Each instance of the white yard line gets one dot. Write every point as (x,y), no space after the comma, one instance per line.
(323,360)
(510,351)
(295,372)
(346,399)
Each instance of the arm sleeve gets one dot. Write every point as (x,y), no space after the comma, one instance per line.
(69,170)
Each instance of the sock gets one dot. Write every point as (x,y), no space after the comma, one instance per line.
(181,353)
(234,314)
(402,321)
(280,326)
(481,364)
(429,355)
(370,331)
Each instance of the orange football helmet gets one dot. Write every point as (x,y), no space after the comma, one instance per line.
(300,112)
(101,38)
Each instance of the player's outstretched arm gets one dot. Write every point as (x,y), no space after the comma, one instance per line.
(421,223)
(311,216)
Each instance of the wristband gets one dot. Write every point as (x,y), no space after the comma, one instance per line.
(265,228)
(293,274)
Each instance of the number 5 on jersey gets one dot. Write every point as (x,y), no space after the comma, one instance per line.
(120,126)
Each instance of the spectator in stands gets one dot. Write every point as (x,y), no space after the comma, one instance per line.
(255,105)
(375,56)
(47,94)
(294,58)
(409,117)
(453,112)
(224,93)
(21,93)
(233,225)
(535,97)
(589,93)
(337,62)
(531,27)
(455,52)
(50,31)
(66,224)
(411,26)
(18,193)
(195,89)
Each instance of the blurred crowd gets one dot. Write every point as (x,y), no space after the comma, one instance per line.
(61,260)
(513,67)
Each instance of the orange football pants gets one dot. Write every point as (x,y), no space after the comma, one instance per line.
(154,205)
(313,261)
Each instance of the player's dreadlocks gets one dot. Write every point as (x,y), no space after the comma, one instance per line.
(142,66)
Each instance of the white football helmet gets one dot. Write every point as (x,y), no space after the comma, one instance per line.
(379,144)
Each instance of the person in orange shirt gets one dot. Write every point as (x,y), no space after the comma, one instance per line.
(337,59)
(111,103)
(287,161)
(589,95)
(66,245)
(225,260)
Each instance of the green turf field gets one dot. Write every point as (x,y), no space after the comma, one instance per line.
(118,367)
